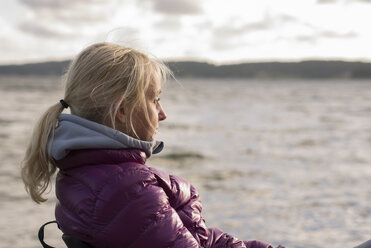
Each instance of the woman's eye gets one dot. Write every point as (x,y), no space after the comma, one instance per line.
(156,100)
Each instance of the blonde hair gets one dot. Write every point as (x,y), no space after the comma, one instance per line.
(98,81)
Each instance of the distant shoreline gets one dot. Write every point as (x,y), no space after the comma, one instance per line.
(309,69)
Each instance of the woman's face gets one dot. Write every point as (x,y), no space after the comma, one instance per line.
(147,131)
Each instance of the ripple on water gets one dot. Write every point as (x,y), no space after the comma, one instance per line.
(5,122)
(307,142)
(11,197)
(183,156)
(4,136)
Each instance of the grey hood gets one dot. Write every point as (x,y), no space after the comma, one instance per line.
(75,133)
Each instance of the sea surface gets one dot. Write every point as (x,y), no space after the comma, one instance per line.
(282,161)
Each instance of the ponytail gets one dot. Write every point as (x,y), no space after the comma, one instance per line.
(38,166)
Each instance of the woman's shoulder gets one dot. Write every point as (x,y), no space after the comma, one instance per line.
(103,172)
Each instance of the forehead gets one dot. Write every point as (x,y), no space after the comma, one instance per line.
(154,87)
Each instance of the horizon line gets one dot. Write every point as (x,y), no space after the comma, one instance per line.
(209,61)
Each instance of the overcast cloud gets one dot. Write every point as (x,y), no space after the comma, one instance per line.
(216,30)
(179,7)
(343,1)
(37,29)
(64,18)
(169,23)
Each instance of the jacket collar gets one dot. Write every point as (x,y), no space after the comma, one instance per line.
(76,133)
(79,158)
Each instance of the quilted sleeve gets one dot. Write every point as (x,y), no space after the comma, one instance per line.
(218,239)
(184,198)
(259,244)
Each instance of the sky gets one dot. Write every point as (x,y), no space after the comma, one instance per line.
(218,31)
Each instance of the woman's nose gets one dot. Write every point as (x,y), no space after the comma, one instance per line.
(161,115)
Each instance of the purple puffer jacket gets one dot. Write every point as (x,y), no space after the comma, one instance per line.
(110,198)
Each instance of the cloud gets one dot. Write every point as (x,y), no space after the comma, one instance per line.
(70,11)
(204,25)
(58,4)
(286,18)
(171,23)
(229,31)
(259,26)
(326,34)
(326,1)
(334,1)
(306,38)
(332,34)
(229,37)
(176,7)
(226,44)
(270,28)
(39,30)
(36,4)
(124,36)
(65,18)
(265,24)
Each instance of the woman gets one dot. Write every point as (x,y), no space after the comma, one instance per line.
(107,195)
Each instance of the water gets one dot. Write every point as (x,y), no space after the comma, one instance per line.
(286,162)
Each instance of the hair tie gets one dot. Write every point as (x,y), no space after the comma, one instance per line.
(64,104)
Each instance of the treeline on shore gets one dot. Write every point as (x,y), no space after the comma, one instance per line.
(189,69)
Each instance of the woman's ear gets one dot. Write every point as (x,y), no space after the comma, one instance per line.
(121,113)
